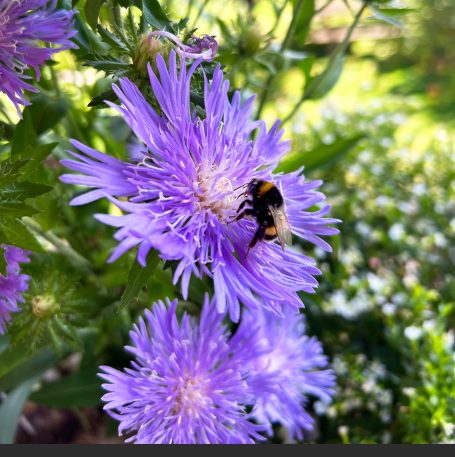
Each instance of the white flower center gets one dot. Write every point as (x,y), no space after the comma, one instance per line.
(190,397)
(216,194)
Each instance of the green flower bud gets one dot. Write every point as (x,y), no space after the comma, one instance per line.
(251,39)
(149,47)
(44,306)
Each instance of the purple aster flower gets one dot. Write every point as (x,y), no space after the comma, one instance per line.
(27,27)
(182,196)
(13,284)
(186,385)
(289,368)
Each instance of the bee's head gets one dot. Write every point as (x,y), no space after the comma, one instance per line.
(253,187)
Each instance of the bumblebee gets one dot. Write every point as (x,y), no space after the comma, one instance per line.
(266,205)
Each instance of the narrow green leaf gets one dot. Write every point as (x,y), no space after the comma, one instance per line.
(112,39)
(24,134)
(92,11)
(389,15)
(303,22)
(11,410)
(19,191)
(2,257)
(10,171)
(108,65)
(321,84)
(80,390)
(17,234)
(33,156)
(46,112)
(155,15)
(16,365)
(99,100)
(15,209)
(306,65)
(85,38)
(138,277)
(324,155)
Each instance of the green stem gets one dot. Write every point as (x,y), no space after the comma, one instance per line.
(54,78)
(340,49)
(62,246)
(69,115)
(278,16)
(117,16)
(283,47)
(199,13)
(189,8)
(3,111)
(323,7)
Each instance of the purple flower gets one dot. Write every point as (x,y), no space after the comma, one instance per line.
(13,284)
(187,383)
(289,368)
(204,48)
(183,194)
(27,27)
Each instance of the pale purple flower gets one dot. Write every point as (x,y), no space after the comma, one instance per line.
(13,284)
(28,28)
(291,367)
(204,48)
(183,194)
(186,384)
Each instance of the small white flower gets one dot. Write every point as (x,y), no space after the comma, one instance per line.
(412,332)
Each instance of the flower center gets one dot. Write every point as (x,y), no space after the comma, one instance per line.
(190,397)
(216,194)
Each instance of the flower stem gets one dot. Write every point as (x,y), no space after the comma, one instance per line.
(199,13)
(278,16)
(62,245)
(69,115)
(323,7)
(340,49)
(283,47)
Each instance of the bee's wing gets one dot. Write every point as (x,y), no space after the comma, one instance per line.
(283,228)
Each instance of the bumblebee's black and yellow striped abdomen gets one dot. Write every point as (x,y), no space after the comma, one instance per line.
(267,207)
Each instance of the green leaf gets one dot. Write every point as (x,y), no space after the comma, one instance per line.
(17,234)
(306,65)
(138,277)
(19,191)
(155,15)
(33,156)
(321,84)
(11,410)
(108,65)
(389,15)
(2,260)
(15,209)
(46,112)
(324,155)
(24,134)
(10,171)
(17,366)
(303,22)
(92,11)
(115,42)
(99,100)
(80,390)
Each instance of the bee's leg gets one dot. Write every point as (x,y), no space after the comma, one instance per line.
(246,212)
(242,205)
(259,235)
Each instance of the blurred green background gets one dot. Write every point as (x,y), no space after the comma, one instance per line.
(377,128)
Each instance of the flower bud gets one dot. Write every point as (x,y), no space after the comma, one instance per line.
(251,39)
(149,47)
(43,306)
